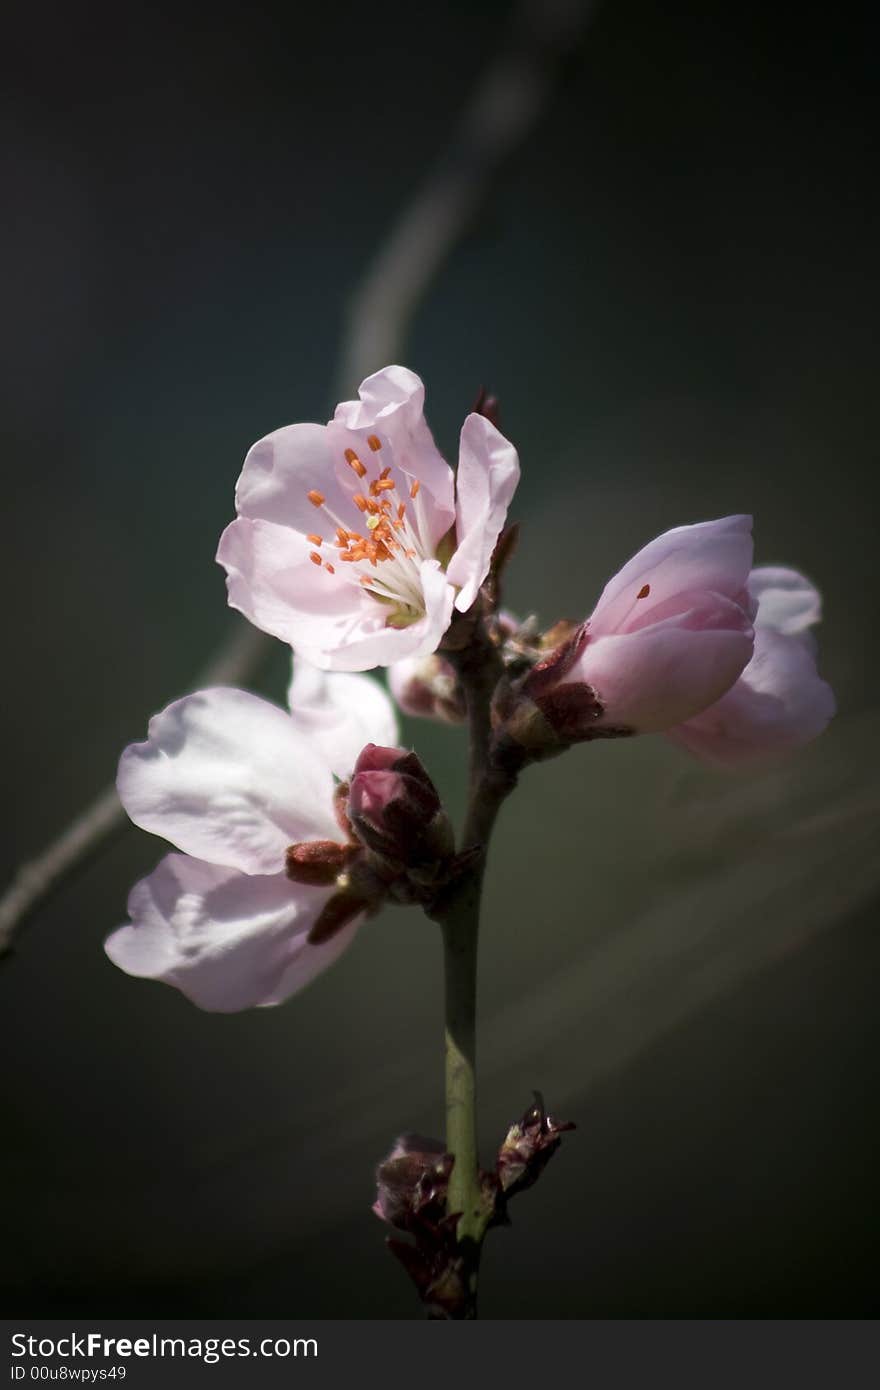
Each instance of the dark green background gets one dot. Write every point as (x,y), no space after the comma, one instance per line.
(673,291)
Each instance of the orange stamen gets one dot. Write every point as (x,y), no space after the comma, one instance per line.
(354,462)
(316,498)
(316,540)
(401,511)
(315,558)
(383,485)
(329,568)
(374,442)
(413,492)
(360,502)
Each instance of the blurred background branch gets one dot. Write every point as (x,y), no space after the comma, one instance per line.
(507,103)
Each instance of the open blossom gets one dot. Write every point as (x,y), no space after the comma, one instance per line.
(670,634)
(779,702)
(234,782)
(354,541)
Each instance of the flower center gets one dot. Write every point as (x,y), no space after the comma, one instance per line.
(386,545)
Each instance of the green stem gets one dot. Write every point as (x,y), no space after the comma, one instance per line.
(460,939)
(479,669)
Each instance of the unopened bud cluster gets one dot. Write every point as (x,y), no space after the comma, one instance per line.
(399,841)
(412,1185)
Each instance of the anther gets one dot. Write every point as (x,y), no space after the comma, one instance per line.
(328,567)
(360,502)
(413,492)
(354,462)
(644,591)
(316,498)
(315,540)
(374,442)
(315,558)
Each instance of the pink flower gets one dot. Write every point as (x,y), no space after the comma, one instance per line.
(779,702)
(354,541)
(670,634)
(234,782)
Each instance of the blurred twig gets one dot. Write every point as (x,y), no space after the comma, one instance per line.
(507,103)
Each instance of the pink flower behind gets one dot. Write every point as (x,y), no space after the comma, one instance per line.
(354,541)
(779,702)
(670,634)
(234,782)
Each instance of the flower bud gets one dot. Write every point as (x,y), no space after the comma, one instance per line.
(427,687)
(317,863)
(411,1182)
(394,807)
(528,1147)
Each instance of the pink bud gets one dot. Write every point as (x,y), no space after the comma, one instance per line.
(669,636)
(428,688)
(394,807)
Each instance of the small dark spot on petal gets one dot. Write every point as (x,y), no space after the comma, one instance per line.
(644,591)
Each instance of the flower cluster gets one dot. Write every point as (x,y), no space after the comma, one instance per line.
(356,544)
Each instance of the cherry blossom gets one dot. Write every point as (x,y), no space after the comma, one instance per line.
(233,782)
(354,542)
(670,634)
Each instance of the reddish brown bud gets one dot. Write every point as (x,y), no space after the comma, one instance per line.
(528,1147)
(317,862)
(412,1179)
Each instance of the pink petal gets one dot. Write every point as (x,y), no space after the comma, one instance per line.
(226,940)
(273,582)
(226,777)
(658,676)
(391,409)
(714,555)
(340,713)
(282,469)
(786,600)
(488,472)
(779,703)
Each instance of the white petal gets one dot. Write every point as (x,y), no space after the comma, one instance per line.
(370,642)
(227,777)
(340,712)
(786,600)
(488,472)
(779,703)
(226,940)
